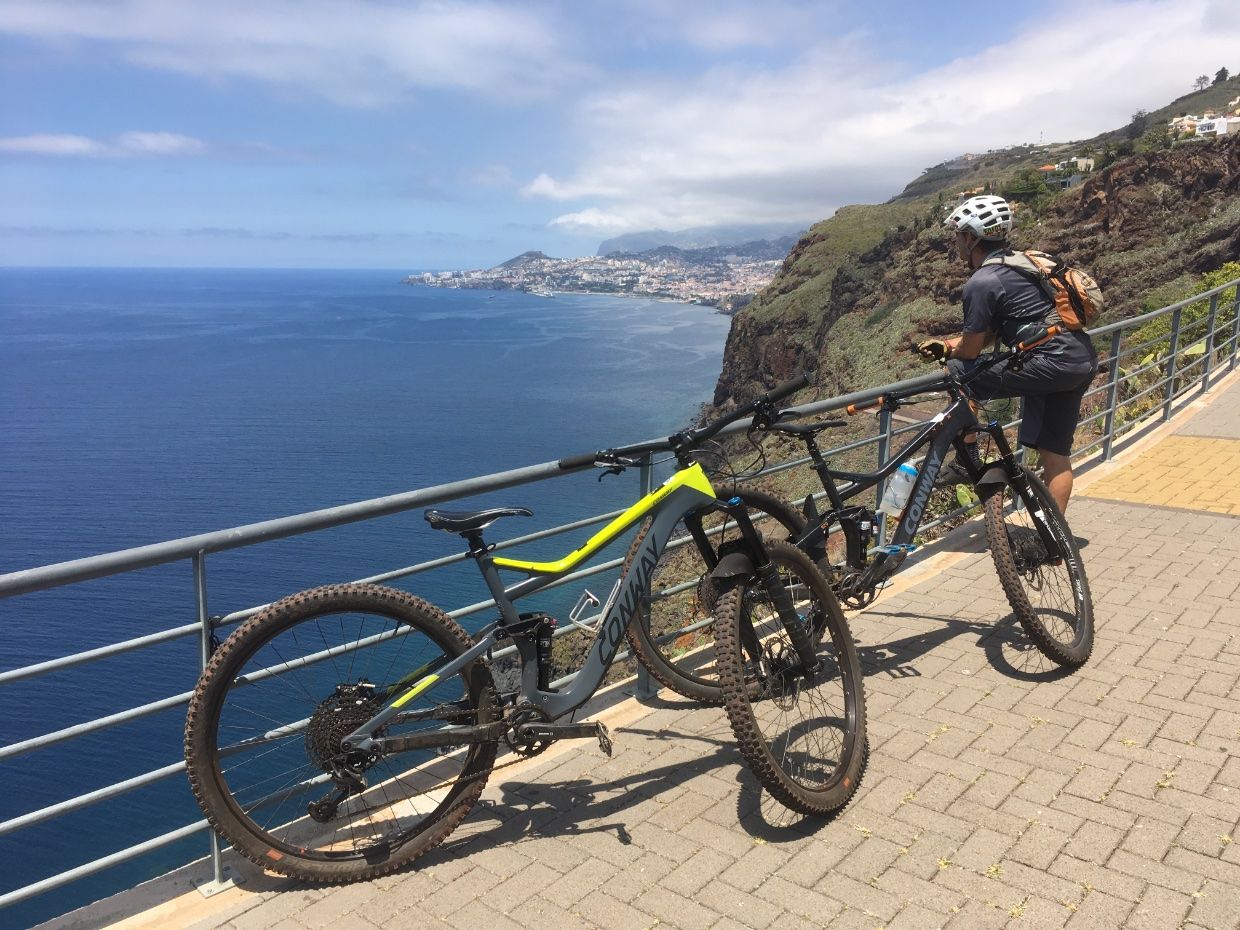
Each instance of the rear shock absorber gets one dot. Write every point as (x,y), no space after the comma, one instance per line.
(543,637)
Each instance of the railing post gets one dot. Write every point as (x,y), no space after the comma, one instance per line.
(884,447)
(646,686)
(1171,360)
(207,634)
(1108,423)
(1209,359)
(1235,329)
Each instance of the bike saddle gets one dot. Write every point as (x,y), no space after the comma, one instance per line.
(470,521)
(801,429)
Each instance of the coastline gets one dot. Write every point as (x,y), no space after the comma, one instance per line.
(718,304)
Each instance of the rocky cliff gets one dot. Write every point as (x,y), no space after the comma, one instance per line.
(858,290)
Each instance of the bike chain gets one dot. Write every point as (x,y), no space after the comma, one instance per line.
(485,773)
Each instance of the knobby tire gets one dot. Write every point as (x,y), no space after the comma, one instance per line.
(1050,599)
(267,716)
(803,736)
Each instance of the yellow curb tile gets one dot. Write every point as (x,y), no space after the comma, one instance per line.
(1191,472)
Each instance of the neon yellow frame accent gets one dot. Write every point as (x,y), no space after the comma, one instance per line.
(415,690)
(691,477)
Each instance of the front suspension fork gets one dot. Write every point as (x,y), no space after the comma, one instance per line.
(797,629)
(1019,483)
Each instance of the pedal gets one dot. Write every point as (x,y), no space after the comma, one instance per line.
(604,739)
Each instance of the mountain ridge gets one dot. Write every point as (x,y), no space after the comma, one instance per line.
(700,237)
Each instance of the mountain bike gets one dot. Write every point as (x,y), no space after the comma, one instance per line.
(346,730)
(1034,552)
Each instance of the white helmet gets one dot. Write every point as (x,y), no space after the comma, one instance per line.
(987,217)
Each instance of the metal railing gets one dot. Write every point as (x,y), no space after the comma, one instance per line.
(1201,337)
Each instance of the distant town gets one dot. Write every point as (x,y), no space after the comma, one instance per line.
(704,276)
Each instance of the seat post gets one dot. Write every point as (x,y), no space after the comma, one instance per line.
(477,548)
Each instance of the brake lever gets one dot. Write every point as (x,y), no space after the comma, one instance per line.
(615,465)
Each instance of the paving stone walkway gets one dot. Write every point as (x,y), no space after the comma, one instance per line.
(1001,792)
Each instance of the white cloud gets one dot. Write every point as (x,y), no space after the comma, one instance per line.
(126,145)
(51,144)
(834,127)
(591,220)
(364,53)
(722,25)
(159,143)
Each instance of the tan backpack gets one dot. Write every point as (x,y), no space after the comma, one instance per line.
(1078,299)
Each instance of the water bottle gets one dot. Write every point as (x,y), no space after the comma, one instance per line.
(899,487)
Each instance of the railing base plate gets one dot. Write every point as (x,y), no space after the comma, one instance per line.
(209,887)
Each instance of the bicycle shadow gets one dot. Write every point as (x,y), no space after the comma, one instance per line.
(529,808)
(1007,648)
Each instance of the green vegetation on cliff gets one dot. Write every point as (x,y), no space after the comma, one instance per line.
(860,288)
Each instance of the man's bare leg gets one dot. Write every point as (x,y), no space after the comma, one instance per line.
(1057,471)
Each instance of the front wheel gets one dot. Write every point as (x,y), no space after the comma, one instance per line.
(1048,591)
(265,725)
(672,633)
(801,730)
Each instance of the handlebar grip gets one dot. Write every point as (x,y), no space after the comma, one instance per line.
(780,391)
(576,461)
(853,409)
(1047,335)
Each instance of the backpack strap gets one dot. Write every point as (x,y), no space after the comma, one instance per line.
(1022,264)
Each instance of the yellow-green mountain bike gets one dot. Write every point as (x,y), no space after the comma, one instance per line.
(346,730)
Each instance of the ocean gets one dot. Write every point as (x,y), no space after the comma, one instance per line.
(141,405)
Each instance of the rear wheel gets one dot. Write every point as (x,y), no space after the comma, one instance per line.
(265,724)
(672,635)
(802,732)
(1048,591)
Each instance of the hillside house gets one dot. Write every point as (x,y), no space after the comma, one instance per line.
(1220,126)
(1076,162)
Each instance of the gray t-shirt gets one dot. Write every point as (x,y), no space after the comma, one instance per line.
(998,299)
(1001,300)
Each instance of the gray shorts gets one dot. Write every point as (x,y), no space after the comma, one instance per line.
(1052,388)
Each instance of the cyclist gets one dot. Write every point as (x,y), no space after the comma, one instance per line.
(1001,302)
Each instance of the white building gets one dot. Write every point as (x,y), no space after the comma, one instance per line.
(1219,126)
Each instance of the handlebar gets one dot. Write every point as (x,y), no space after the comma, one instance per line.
(692,437)
(1046,335)
(686,439)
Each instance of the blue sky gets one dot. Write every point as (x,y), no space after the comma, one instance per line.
(379,133)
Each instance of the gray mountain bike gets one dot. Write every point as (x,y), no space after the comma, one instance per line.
(348,729)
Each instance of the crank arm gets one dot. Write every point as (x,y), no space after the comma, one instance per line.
(551,731)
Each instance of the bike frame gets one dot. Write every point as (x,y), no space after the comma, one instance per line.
(943,432)
(688,489)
